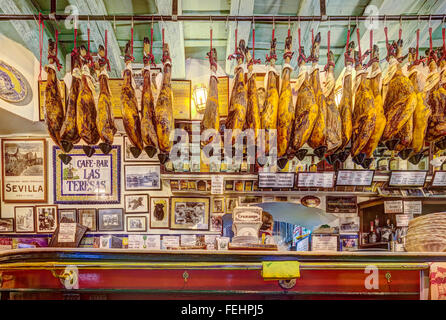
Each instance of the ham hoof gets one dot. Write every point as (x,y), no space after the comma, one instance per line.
(415,159)
(404,154)
(105,147)
(343,155)
(66,146)
(262,161)
(300,154)
(89,150)
(331,159)
(135,151)
(281,162)
(320,151)
(391,144)
(150,150)
(366,163)
(359,159)
(163,157)
(66,159)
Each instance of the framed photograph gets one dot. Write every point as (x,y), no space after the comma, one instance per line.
(143,157)
(174,186)
(183,185)
(68,214)
(87,218)
(136,223)
(142,177)
(189,213)
(24,219)
(87,180)
(218,205)
(201,185)
(110,219)
(192,185)
(46,219)
(246,200)
(24,170)
(248,185)
(231,203)
(159,212)
(6,225)
(216,223)
(136,203)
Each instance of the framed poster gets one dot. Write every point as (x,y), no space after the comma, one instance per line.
(142,177)
(110,219)
(41,89)
(6,225)
(143,157)
(189,213)
(94,180)
(46,219)
(159,213)
(136,203)
(69,215)
(24,219)
(24,171)
(136,223)
(87,218)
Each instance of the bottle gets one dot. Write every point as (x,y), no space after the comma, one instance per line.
(393,162)
(382,164)
(372,235)
(313,166)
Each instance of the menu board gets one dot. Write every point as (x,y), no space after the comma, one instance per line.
(276,180)
(315,179)
(336,204)
(181,90)
(413,207)
(223,96)
(355,177)
(41,89)
(395,206)
(439,179)
(407,178)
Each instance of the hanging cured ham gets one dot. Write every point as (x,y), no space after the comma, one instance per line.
(286,108)
(319,135)
(148,130)
(346,103)
(306,110)
(239,97)
(253,108)
(69,134)
(129,107)
(54,112)
(164,121)
(105,121)
(86,108)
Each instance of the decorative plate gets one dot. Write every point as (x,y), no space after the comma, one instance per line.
(310,201)
(12,84)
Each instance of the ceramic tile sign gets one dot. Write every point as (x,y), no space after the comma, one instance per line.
(394,206)
(413,207)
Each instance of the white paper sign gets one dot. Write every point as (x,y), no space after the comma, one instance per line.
(209,239)
(413,207)
(395,206)
(153,242)
(407,178)
(188,240)
(67,232)
(315,179)
(276,180)
(355,178)
(217,185)
(171,241)
(324,243)
(439,179)
(402,220)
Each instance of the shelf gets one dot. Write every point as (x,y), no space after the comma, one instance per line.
(278,193)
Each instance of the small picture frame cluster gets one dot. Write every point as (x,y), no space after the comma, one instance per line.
(40,219)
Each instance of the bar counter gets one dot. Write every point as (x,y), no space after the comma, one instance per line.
(78,273)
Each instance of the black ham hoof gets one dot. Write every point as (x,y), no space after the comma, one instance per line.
(391,144)
(366,163)
(66,146)
(381,145)
(441,144)
(415,159)
(359,159)
(343,155)
(233,152)
(281,162)
(135,151)
(66,159)
(163,157)
(331,159)
(404,154)
(150,150)
(89,150)
(105,147)
(262,161)
(300,154)
(320,151)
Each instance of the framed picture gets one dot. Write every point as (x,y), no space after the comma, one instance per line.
(189,213)
(46,219)
(216,223)
(111,219)
(24,219)
(174,186)
(182,96)
(87,180)
(159,212)
(24,170)
(87,218)
(218,205)
(136,223)
(231,203)
(6,225)
(68,214)
(142,177)
(143,157)
(246,200)
(136,203)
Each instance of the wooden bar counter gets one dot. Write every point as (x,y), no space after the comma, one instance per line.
(62,273)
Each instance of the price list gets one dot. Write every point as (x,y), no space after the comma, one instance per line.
(407,178)
(439,179)
(315,179)
(276,180)
(355,178)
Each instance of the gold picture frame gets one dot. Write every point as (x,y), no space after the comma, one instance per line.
(189,213)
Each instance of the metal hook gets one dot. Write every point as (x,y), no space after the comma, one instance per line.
(253,23)
(210,18)
(274,23)
(385,21)
(329,24)
(401,22)
(289,24)
(227,22)
(349,26)
(132,22)
(430,16)
(152,21)
(114,23)
(418,23)
(88,22)
(299,21)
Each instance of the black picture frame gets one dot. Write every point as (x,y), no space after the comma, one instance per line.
(103,225)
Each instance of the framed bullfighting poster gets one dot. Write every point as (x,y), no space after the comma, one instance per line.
(159,212)
(87,180)
(189,213)
(24,170)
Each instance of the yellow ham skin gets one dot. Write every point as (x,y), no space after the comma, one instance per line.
(333,122)
(211,118)
(253,110)
(271,106)
(285,114)
(345,107)
(86,114)
(69,128)
(164,121)
(129,110)
(54,113)
(319,134)
(237,107)
(148,131)
(105,121)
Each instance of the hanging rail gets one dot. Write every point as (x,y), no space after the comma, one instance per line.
(206,18)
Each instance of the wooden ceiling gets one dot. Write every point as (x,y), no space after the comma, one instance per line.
(190,39)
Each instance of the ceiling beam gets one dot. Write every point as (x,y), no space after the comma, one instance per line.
(97,33)
(238,7)
(29,30)
(174,37)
